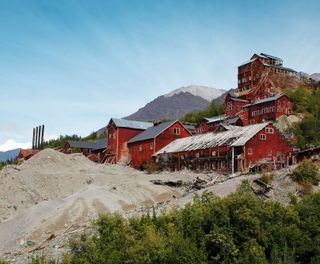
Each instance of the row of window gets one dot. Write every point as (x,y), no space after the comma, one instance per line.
(265,110)
(250,152)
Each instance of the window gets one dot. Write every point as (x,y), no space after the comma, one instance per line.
(270,153)
(263,136)
(213,153)
(197,155)
(176,131)
(182,157)
(250,152)
(140,147)
(151,146)
(269,130)
(283,104)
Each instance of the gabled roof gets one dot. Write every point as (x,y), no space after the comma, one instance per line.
(233,136)
(153,132)
(231,120)
(238,99)
(94,145)
(214,119)
(270,56)
(131,124)
(266,100)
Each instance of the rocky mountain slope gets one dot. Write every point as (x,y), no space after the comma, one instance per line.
(9,155)
(177,103)
(315,76)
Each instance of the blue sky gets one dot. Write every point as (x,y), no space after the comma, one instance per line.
(72,65)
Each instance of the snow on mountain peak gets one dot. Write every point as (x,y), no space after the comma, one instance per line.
(11,144)
(207,93)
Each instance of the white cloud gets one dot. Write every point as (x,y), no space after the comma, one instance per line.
(11,144)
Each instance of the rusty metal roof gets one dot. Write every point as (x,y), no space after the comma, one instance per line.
(233,136)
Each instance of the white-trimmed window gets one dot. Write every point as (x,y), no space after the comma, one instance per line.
(269,130)
(213,153)
(140,147)
(182,157)
(176,131)
(263,136)
(151,146)
(250,151)
(270,153)
(197,155)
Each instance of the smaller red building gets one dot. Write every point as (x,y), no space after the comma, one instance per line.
(233,105)
(120,131)
(144,145)
(209,124)
(94,150)
(268,109)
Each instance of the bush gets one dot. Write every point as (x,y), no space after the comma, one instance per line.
(306,187)
(152,167)
(267,178)
(305,172)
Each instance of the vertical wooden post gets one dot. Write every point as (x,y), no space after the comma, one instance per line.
(232,161)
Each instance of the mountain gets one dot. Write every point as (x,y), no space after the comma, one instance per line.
(177,103)
(220,99)
(9,155)
(11,144)
(315,76)
(207,93)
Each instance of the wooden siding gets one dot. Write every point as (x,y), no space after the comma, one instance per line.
(142,151)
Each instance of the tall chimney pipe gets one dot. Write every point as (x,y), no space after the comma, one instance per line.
(42,136)
(33,138)
(36,139)
(39,137)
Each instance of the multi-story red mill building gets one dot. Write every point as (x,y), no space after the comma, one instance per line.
(258,97)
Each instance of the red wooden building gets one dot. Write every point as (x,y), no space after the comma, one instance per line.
(94,150)
(232,149)
(209,124)
(233,105)
(254,76)
(120,131)
(144,145)
(268,109)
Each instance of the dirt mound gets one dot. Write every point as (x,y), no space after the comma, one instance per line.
(53,190)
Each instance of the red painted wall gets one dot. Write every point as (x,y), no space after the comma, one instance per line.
(117,141)
(275,142)
(269,111)
(142,151)
(232,107)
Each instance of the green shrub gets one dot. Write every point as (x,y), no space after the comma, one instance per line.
(306,171)
(267,178)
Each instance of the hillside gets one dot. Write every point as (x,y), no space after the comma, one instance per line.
(170,108)
(177,103)
(9,155)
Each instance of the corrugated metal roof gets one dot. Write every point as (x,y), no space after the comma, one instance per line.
(270,56)
(131,124)
(231,121)
(152,132)
(266,100)
(94,145)
(214,119)
(234,136)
